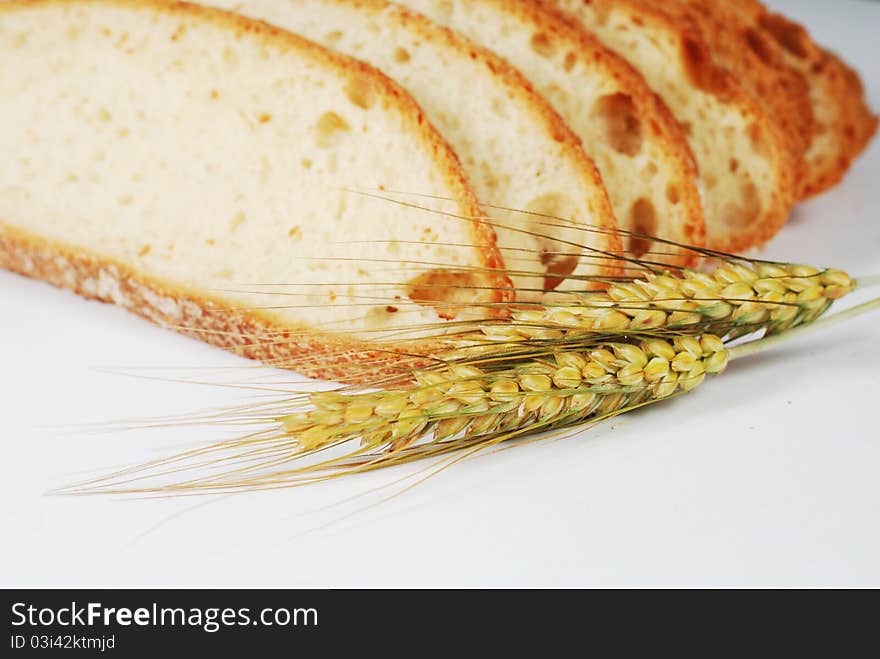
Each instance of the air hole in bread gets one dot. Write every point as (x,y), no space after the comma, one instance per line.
(745,210)
(756,137)
(697,63)
(547,207)
(789,35)
(602,11)
(542,45)
(378,317)
(650,171)
(734,165)
(758,45)
(559,258)
(672,194)
(446,290)
(401,55)
(617,112)
(643,220)
(558,266)
(329,129)
(360,93)
(333,38)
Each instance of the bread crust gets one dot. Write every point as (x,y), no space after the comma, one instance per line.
(858,125)
(705,75)
(831,81)
(252,334)
(249,333)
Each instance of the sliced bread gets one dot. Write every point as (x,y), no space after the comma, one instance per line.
(172,158)
(844,122)
(516,152)
(638,146)
(746,167)
(758,63)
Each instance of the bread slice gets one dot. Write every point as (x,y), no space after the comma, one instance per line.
(746,168)
(758,63)
(165,157)
(516,151)
(844,122)
(638,146)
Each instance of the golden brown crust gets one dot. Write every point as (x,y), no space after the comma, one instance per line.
(546,18)
(706,75)
(251,334)
(541,110)
(855,127)
(832,82)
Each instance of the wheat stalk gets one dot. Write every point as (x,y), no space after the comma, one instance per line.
(465,400)
(735,299)
(638,342)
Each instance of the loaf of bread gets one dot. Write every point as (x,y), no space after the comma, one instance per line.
(746,166)
(844,124)
(517,153)
(328,185)
(640,149)
(195,167)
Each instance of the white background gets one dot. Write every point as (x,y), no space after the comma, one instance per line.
(768,475)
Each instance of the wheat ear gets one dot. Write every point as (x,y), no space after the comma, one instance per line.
(464,401)
(544,369)
(735,299)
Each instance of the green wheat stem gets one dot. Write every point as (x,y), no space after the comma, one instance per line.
(760,345)
(865,282)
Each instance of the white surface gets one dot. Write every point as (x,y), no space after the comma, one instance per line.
(767,475)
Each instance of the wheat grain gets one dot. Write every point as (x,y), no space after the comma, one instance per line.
(735,299)
(564,389)
(640,341)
